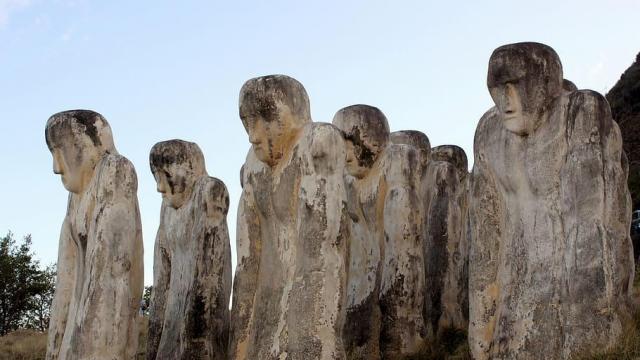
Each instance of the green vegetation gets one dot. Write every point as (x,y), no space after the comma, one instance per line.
(26,290)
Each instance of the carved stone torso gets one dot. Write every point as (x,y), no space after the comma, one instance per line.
(100,262)
(292,205)
(195,240)
(547,233)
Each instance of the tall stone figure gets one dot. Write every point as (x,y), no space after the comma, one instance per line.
(551,263)
(290,286)
(443,190)
(386,271)
(100,270)
(189,314)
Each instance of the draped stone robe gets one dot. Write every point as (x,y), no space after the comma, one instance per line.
(192,277)
(551,264)
(100,268)
(289,291)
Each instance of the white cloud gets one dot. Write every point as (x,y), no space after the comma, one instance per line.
(9,6)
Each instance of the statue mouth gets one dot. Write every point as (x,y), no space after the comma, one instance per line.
(510,115)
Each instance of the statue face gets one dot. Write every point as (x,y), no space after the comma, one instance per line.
(416,139)
(172,183)
(269,128)
(176,165)
(366,133)
(524,79)
(353,165)
(75,162)
(508,100)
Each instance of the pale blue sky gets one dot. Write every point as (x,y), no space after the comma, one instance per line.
(159,70)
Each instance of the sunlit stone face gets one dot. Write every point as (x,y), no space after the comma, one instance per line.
(267,128)
(74,161)
(176,165)
(366,133)
(171,183)
(272,109)
(507,98)
(77,140)
(352,164)
(523,80)
(416,139)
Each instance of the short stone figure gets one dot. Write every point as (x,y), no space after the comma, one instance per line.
(100,265)
(292,235)
(189,314)
(386,272)
(443,190)
(551,265)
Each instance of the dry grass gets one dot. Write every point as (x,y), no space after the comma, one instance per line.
(23,345)
(627,348)
(32,345)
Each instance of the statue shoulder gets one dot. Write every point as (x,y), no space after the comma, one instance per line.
(489,128)
(588,110)
(215,194)
(250,167)
(118,174)
(326,146)
(400,162)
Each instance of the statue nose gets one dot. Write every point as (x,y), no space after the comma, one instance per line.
(57,169)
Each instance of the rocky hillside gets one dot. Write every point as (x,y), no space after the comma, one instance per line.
(624,98)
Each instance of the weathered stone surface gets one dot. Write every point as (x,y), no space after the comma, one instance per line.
(189,314)
(386,270)
(443,188)
(290,287)
(447,242)
(551,264)
(100,265)
(568,85)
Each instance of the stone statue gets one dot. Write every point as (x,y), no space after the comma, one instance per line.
(447,242)
(568,85)
(189,314)
(292,234)
(443,187)
(551,264)
(100,270)
(386,271)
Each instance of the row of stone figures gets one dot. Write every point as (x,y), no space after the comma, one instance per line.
(354,242)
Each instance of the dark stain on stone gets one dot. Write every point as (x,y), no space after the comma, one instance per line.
(390,342)
(88,119)
(360,327)
(365,156)
(195,323)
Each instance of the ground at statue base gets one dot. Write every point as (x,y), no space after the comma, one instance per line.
(32,345)
(452,345)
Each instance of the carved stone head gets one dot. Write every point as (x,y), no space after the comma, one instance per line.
(176,165)
(273,109)
(414,138)
(77,139)
(452,154)
(569,86)
(366,132)
(524,80)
